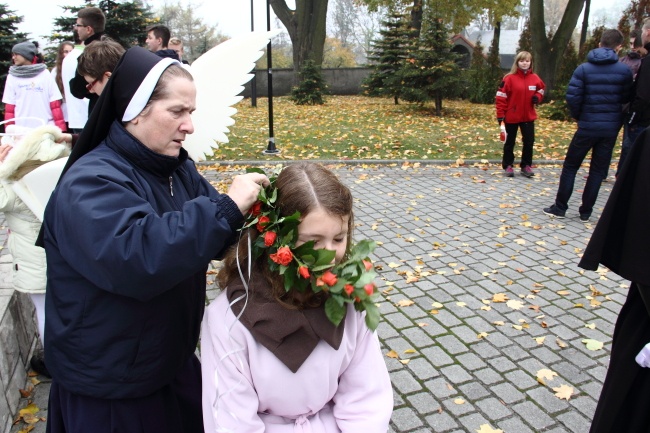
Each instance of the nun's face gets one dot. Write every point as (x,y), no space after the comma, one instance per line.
(162,126)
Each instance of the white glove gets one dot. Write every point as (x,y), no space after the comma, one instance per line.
(643,358)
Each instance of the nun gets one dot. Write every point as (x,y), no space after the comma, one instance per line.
(621,241)
(129,233)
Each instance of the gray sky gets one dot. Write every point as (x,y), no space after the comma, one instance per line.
(232,17)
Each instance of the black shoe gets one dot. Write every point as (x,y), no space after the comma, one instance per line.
(584,217)
(554,211)
(38,365)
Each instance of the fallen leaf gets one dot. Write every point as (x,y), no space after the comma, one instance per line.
(459,401)
(591,326)
(563,292)
(404,361)
(437,305)
(487,428)
(499,297)
(410,351)
(461,304)
(560,343)
(515,304)
(482,335)
(405,303)
(545,373)
(593,344)
(563,392)
(392,354)
(499,323)
(540,340)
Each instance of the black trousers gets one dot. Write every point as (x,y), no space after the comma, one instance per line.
(174,408)
(528,139)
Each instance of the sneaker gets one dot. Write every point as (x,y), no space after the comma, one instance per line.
(38,365)
(584,217)
(527,171)
(509,171)
(554,211)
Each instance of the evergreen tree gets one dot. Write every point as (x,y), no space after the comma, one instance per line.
(389,55)
(432,72)
(312,86)
(9,36)
(526,38)
(569,63)
(125,22)
(593,41)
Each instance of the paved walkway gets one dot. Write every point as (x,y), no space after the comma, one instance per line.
(454,241)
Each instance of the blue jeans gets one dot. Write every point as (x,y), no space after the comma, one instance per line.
(630,133)
(601,157)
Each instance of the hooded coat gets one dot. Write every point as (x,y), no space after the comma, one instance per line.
(597,91)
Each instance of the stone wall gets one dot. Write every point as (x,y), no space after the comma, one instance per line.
(18,336)
(341,81)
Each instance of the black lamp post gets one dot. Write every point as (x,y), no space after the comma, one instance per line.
(270,149)
(254,82)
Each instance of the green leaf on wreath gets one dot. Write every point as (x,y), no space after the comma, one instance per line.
(334,311)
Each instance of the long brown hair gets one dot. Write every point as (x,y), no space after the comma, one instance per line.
(59,64)
(520,56)
(302,187)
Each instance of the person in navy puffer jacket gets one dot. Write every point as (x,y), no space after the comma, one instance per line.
(596,94)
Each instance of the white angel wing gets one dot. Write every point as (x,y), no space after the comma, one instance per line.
(219,76)
(35,188)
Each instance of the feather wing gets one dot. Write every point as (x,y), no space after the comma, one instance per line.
(219,76)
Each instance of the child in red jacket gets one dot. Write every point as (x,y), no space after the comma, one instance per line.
(518,94)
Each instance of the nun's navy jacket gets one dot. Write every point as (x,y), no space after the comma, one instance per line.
(597,91)
(129,234)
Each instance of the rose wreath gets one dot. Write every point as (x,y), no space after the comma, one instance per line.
(304,267)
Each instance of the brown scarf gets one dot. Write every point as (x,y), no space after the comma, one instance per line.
(291,335)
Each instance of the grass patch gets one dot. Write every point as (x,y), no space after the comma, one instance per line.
(357,127)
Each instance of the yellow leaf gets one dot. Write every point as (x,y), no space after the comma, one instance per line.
(545,373)
(518,327)
(437,305)
(405,303)
(461,304)
(560,343)
(515,304)
(459,401)
(593,344)
(499,323)
(29,409)
(482,335)
(591,326)
(392,354)
(486,308)
(404,361)
(410,351)
(563,292)
(563,392)
(487,428)
(394,265)
(540,340)
(499,297)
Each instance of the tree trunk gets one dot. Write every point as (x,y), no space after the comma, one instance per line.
(547,53)
(306,26)
(585,29)
(416,18)
(494,49)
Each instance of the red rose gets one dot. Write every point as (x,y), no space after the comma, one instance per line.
(349,288)
(269,238)
(369,288)
(262,222)
(303,271)
(367,264)
(329,278)
(283,256)
(256,209)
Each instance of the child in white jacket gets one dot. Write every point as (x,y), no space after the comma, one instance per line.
(19,156)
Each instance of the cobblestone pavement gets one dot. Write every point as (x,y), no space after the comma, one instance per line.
(454,241)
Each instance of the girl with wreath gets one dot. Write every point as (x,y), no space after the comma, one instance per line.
(288,345)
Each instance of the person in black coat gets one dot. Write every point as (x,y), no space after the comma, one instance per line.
(621,241)
(129,233)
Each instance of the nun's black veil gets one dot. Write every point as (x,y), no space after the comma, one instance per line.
(128,75)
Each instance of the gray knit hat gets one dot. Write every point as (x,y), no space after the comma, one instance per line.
(25,49)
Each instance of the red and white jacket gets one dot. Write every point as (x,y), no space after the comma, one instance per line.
(514,98)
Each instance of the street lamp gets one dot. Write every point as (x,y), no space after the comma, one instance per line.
(270,149)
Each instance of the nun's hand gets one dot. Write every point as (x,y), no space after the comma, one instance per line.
(643,358)
(245,188)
